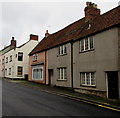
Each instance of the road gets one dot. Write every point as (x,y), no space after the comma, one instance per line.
(19,100)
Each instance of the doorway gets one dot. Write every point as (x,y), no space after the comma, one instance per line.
(112,79)
(50,73)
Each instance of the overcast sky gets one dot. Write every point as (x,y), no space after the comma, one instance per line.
(20,19)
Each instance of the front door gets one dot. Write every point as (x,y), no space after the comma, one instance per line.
(50,71)
(113,84)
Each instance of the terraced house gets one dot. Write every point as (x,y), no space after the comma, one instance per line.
(84,56)
(2,56)
(16,60)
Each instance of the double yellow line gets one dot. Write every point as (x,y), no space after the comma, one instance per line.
(81,100)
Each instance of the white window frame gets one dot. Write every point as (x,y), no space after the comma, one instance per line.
(35,68)
(35,57)
(10,58)
(89,47)
(62,50)
(85,79)
(61,73)
(9,71)
(6,59)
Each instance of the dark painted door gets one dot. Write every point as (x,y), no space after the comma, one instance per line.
(113,84)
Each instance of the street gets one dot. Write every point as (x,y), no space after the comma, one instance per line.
(18,100)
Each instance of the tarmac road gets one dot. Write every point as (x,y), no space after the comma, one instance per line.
(18,100)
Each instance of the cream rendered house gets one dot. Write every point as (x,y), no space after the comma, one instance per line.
(17,59)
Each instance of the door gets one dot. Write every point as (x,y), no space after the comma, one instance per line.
(113,84)
(50,72)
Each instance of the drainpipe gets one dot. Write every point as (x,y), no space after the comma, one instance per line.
(72,65)
(45,67)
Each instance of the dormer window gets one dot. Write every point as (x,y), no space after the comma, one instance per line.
(35,57)
(62,50)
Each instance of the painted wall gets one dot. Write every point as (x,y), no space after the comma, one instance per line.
(103,58)
(42,58)
(55,61)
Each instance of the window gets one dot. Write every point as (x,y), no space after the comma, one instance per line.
(2,61)
(9,71)
(87,44)
(6,59)
(88,78)
(20,71)
(6,72)
(62,74)
(35,57)
(20,56)
(37,73)
(62,50)
(10,58)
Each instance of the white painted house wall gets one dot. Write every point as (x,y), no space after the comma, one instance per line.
(26,49)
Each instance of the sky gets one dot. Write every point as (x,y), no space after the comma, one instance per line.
(20,18)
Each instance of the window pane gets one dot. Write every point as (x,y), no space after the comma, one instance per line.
(88,78)
(61,73)
(86,44)
(20,69)
(82,45)
(82,78)
(91,42)
(65,49)
(65,73)
(92,79)
(20,56)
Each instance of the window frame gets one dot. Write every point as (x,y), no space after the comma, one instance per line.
(19,57)
(21,71)
(9,71)
(6,59)
(62,50)
(90,81)
(10,58)
(62,73)
(35,57)
(35,73)
(90,45)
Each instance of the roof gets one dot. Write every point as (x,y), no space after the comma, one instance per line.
(79,29)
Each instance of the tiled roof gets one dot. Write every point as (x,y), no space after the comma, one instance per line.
(80,29)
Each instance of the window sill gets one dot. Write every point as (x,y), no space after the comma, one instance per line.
(34,60)
(92,86)
(61,80)
(61,55)
(20,76)
(87,51)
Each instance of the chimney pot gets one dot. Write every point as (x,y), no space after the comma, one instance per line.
(12,38)
(47,34)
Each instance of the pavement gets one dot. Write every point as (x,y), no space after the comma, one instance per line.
(111,104)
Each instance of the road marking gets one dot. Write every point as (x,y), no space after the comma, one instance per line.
(78,99)
(109,108)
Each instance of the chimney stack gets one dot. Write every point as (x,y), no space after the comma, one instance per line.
(33,37)
(47,34)
(13,42)
(91,11)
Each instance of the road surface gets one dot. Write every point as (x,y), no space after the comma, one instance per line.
(19,100)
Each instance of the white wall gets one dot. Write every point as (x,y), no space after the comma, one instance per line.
(26,49)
